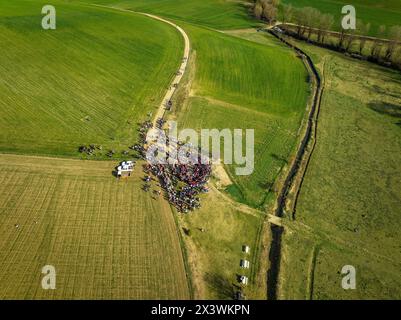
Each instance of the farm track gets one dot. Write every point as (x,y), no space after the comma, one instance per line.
(173,88)
(311,274)
(295,171)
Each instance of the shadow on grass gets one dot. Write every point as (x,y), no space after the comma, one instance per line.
(389,109)
(386,92)
(279,158)
(220,285)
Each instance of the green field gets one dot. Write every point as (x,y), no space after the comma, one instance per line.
(94,78)
(375,12)
(106,238)
(88,82)
(267,93)
(217,233)
(350,198)
(217,14)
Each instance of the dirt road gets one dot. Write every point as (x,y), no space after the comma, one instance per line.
(180,72)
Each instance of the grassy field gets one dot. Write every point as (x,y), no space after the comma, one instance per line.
(376,12)
(217,233)
(106,238)
(350,198)
(88,82)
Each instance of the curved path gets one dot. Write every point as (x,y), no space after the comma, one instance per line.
(180,72)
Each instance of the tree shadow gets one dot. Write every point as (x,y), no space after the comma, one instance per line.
(219,284)
(279,158)
(389,109)
(381,90)
(267,186)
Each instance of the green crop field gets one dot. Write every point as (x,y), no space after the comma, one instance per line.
(217,14)
(87,82)
(350,200)
(105,238)
(375,12)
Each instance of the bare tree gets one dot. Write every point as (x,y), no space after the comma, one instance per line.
(352,36)
(303,19)
(377,44)
(320,28)
(269,12)
(342,37)
(396,58)
(314,22)
(349,41)
(395,39)
(364,31)
(326,24)
(258,10)
(275,3)
(298,21)
(288,13)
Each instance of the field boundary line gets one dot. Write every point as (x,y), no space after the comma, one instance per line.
(184,255)
(309,132)
(308,156)
(245,209)
(311,274)
(292,180)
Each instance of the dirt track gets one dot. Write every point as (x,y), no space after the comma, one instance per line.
(180,72)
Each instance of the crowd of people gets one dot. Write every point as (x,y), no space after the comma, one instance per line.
(143,130)
(182,183)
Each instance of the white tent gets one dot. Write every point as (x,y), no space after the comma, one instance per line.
(244,280)
(246,249)
(244,264)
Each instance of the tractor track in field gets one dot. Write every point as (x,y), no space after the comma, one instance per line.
(295,175)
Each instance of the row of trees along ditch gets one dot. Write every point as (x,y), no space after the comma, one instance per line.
(311,25)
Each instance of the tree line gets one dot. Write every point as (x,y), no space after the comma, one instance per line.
(310,24)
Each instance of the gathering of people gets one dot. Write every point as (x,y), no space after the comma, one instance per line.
(182,183)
